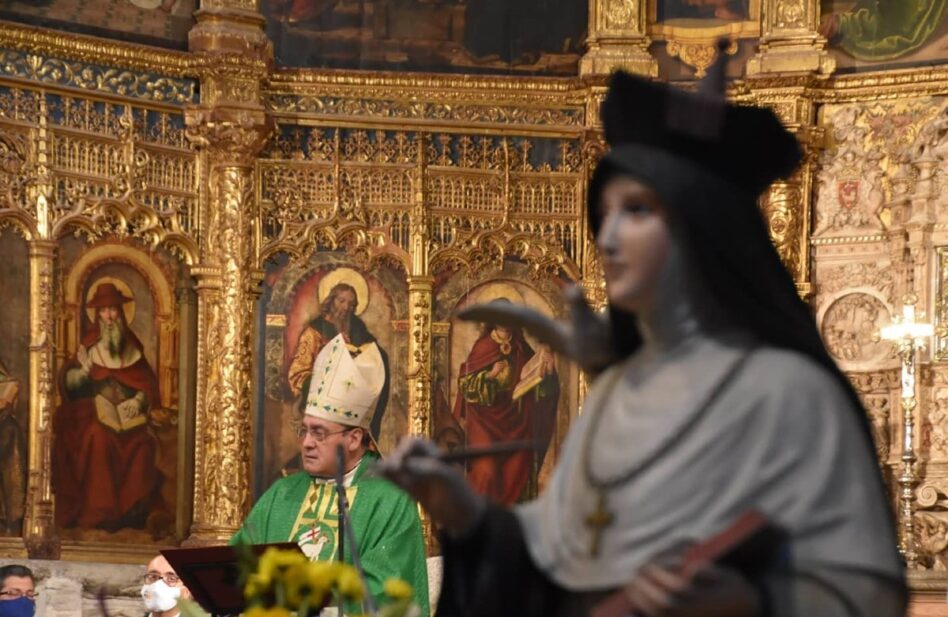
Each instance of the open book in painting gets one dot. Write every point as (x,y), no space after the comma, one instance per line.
(530,376)
(109,415)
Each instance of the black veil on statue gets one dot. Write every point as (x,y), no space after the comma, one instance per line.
(709,161)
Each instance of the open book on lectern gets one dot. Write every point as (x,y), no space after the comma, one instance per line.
(212,574)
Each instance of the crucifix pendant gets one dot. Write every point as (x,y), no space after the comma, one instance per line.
(597,522)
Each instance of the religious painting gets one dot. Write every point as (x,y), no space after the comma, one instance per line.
(723,11)
(14,382)
(115,429)
(459,36)
(162,23)
(493,384)
(870,35)
(304,306)
(448,432)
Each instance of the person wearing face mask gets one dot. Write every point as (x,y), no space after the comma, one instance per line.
(714,396)
(17,591)
(162,589)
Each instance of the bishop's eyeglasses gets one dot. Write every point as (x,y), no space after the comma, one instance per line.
(170,578)
(319,435)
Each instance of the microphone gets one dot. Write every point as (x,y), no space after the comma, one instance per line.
(345,531)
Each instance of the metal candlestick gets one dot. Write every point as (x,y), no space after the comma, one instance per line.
(909,336)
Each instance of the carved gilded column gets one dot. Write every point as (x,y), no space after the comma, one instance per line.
(788,204)
(230,127)
(187,361)
(419,355)
(789,41)
(39,525)
(420,421)
(227,289)
(594,147)
(617,39)
(593,282)
(420,298)
(420,285)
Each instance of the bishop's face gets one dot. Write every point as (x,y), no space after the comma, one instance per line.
(318,442)
(633,241)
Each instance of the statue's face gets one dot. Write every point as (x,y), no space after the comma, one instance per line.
(634,242)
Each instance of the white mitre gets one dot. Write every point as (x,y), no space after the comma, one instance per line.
(344,389)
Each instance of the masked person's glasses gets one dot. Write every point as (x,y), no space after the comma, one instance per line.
(17,593)
(169,578)
(318,434)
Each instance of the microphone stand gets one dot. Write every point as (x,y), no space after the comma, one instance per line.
(345,530)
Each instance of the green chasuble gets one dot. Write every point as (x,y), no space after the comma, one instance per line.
(384,519)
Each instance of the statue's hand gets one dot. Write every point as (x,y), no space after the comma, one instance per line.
(585,338)
(439,487)
(591,335)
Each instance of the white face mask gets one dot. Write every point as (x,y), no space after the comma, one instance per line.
(159,597)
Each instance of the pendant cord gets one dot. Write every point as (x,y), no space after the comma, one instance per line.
(605,484)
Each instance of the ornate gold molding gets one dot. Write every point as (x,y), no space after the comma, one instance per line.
(491,103)
(249,6)
(789,42)
(66,46)
(223,29)
(617,39)
(697,54)
(404,111)
(96,77)
(500,87)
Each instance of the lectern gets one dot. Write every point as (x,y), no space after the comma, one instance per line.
(212,574)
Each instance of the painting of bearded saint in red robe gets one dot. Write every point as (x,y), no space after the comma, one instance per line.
(104,459)
(507,391)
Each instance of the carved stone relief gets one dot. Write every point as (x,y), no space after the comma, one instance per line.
(875,390)
(878,408)
(849,191)
(864,167)
(875,276)
(935,429)
(929,157)
(931,524)
(850,328)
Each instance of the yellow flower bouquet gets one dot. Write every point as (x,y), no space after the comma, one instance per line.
(284,583)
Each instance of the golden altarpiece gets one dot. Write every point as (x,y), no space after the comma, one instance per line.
(221,194)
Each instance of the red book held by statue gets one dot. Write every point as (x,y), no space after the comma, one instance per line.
(750,544)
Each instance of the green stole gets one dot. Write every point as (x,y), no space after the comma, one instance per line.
(385,523)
